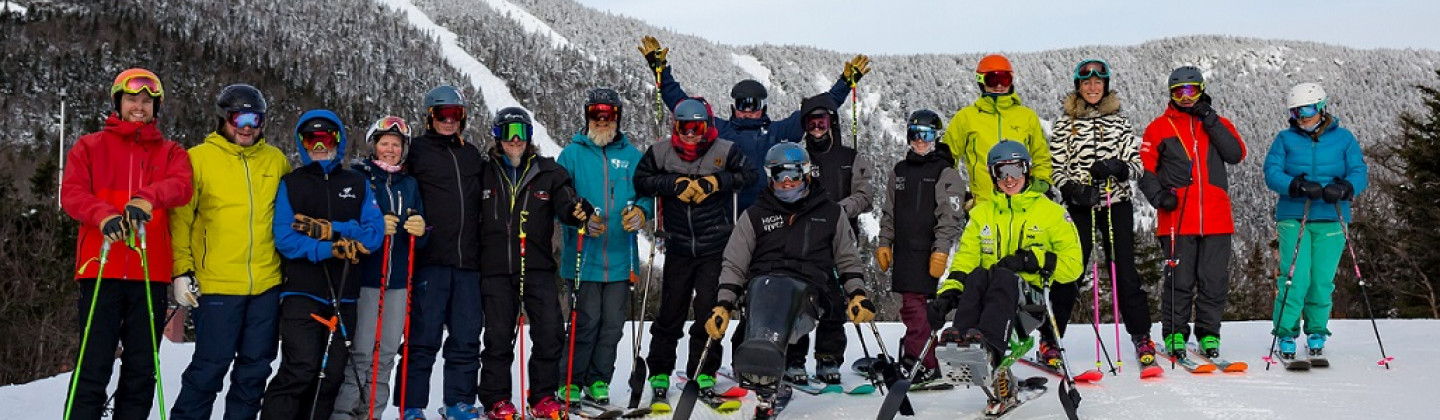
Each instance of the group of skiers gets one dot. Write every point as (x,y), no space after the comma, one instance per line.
(431,244)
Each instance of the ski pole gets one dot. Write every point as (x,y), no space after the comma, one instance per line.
(89,319)
(574,309)
(686,406)
(1095,298)
(1173,263)
(380,322)
(520,317)
(1384,359)
(405,335)
(638,371)
(855,114)
(334,323)
(659,107)
(1289,280)
(1114,292)
(1069,399)
(138,242)
(874,376)
(898,400)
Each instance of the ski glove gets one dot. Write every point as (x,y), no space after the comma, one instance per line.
(114,228)
(1340,190)
(391,221)
(685,189)
(582,210)
(703,187)
(861,310)
(946,300)
(1166,200)
(654,54)
(348,249)
(137,212)
(718,323)
(937,264)
(1080,195)
(415,225)
(884,257)
(1203,111)
(855,69)
(1303,188)
(633,218)
(312,227)
(1023,261)
(185,290)
(595,226)
(1109,168)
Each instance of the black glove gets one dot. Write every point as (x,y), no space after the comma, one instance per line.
(1081,195)
(1109,168)
(1023,261)
(1166,200)
(114,228)
(1203,111)
(1303,188)
(1340,190)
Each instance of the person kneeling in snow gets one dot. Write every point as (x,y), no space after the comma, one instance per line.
(786,245)
(1020,236)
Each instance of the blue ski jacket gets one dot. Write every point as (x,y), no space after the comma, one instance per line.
(1329,153)
(604,176)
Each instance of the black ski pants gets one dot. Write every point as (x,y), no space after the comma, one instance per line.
(305,360)
(687,284)
(501,298)
(1134,307)
(120,316)
(1200,283)
(989,303)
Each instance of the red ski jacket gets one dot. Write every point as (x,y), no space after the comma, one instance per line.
(1190,156)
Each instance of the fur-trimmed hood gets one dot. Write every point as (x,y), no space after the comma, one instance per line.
(1075,107)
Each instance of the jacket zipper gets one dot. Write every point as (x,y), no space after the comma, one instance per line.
(250,244)
(1199,175)
(459,188)
(607,195)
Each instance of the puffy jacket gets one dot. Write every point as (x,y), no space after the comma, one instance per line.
(604,176)
(1331,152)
(978,127)
(809,239)
(753,136)
(522,199)
(1025,222)
(325,190)
(845,172)
(695,229)
(1181,152)
(107,169)
(1087,134)
(448,171)
(398,194)
(923,214)
(224,235)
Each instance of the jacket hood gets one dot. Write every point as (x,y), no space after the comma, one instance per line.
(992,104)
(144,133)
(1076,107)
(330,164)
(817,102)
(941,152)
(1327,123)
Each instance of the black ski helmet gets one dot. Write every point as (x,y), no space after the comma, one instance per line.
(1186,75)
(238,97)
(605,96)
(510,115)
(749,94)
(925,117)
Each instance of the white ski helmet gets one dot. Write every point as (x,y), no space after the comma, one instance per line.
(1306,94)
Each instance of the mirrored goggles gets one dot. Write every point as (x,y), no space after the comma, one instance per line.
(141,83)
(602,112)
(1008,170)
(317,141)
(1092,68)
(995,78)
(247,119)
(1186,92)
(514,131)
(1306,111)
(921,132)
(749,104)
(788,172)
(448,113)
(692,128)
(392,124)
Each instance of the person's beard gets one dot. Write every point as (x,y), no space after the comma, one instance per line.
(602,137)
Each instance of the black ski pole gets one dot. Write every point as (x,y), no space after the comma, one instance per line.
(1384,359)
(1069,396)
(898,399)
(686,406)
(1171,265)
(874,376)
(638,368)
(888,369)
(1289,279)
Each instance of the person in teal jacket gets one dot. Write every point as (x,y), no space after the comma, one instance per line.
(602,164)
(1316,166)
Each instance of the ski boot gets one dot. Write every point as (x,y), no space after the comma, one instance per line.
(548,408)
(569,393)
(827,370)
(1004,393)
(659,387)
(1175,345)
(461,411)
(795,374)
(413,414)
(769,401)
(923,376)
(1287,348)
(1144,349)
(1210,346)
(1316,344)
(1048,354)
(707,385)
(598,393)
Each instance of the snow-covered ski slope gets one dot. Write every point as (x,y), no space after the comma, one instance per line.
(1353,387)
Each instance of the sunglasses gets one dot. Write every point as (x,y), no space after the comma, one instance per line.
(1008,170)
(1092,68)
(820,122)
(921,132)
(141,83)
(317,141)
(749,104)
(692,128)
(995,78)
(1306,111)
(602,112)
(247,119)
(1186,92)
(448,113)
(392,124)
(787,172)
(514,131)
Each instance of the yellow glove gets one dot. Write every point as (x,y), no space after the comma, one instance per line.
(348,249)
(415,225)
(861,310)
(686,188)
(704,186)
(654,54)
(633,218)
(856,68)
(312,227)
(718,323)
(693,193)
(937,264)
(884,257)
(390,222)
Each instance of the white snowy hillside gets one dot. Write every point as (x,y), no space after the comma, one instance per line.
(1353,387)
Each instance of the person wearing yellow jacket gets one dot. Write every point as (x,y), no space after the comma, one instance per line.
(1020,235)
(226,261)
(997,114)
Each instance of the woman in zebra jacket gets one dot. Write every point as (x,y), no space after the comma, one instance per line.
(1095,152)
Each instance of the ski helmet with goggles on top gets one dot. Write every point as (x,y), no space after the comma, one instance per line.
(603,104)
(389,124)
(923,125)
(136,81)
(1306,100)
(511,124)
(1008,159)
(749,96)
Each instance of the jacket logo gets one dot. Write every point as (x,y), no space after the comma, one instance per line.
(345,193)
(720,162)
(899,183)
(485,194)
(770,223)
(542,195)
(620,163)
(955,205)
(819,220)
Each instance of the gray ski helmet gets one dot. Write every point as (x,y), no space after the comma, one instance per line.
(691,109)
(509,115)
(749,95)
(443,95)
(925,117)
(1185,75)
(787,158)
(1008,151)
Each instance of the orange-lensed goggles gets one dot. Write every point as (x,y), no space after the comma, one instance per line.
(448,113)
(141,83)
(319,141)
(692,128)
(602,112)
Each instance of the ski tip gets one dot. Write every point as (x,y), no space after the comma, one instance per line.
(735,392)
(1237,367)
(1151,372)
(1090,376)
(660,408)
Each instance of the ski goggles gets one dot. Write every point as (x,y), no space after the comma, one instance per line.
(921,132)
(602,112)
(692,128)
(995,78)
(1306,111)
(1186,92)
(515,131)
(140,83)
(447,113)
(319,141)
(247,119)
(1008,170)
(1092,68)
(817,122)
(749,104)
(392,124)
(788,172)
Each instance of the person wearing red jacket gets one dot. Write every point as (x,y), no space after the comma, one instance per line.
(121,179)
(1184,152)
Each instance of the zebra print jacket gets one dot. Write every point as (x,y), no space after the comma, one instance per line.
(1086,134)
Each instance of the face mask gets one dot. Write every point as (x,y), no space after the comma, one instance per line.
(791,196)
(1311,128)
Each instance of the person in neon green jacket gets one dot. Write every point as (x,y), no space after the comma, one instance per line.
(997,114)
(1019,236)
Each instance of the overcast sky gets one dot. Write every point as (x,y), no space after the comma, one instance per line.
(962,26)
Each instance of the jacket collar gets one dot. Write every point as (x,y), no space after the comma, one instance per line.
(994,104)
(229,147)
(1076,107)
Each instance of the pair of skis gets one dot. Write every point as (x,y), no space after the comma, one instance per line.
(1197,362)
(595,410)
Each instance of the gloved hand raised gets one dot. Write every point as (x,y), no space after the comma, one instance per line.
(653,52)
(855,69)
